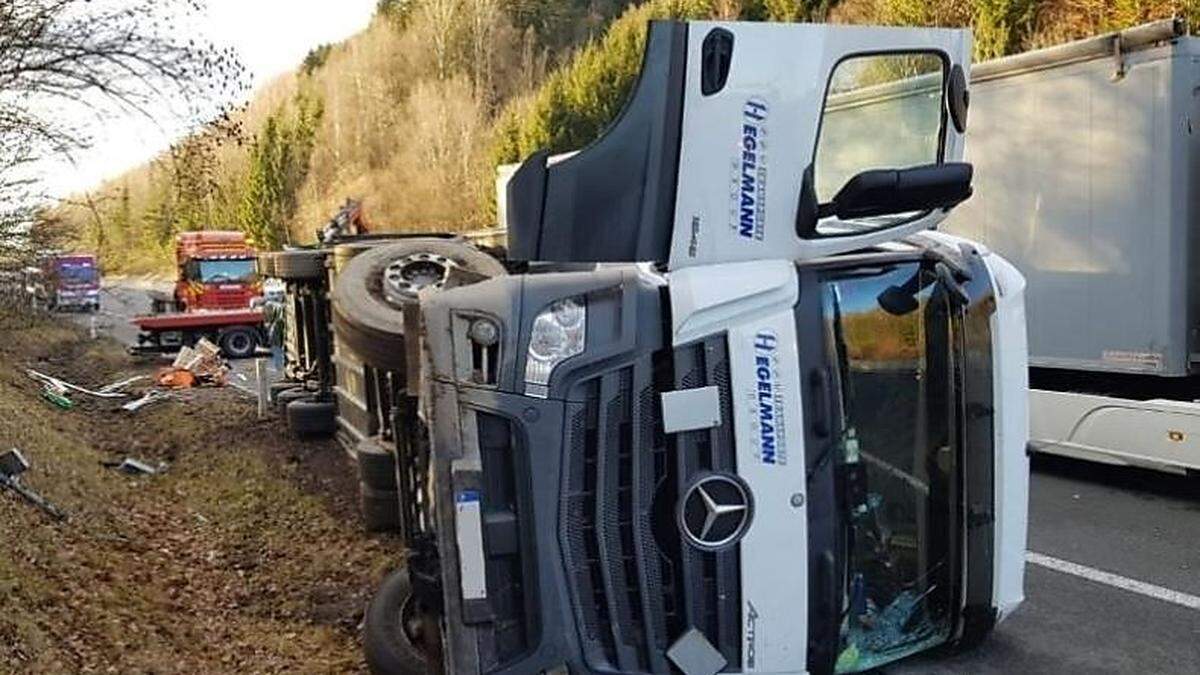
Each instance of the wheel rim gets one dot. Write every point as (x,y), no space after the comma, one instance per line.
(416,625)
(239,344)
(405,278)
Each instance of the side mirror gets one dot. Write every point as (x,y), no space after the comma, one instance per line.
(882,192)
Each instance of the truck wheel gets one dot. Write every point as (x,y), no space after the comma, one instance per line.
(380,509)
(400,636)
(277,388)
(296,393)
(372,290)
(238,343)
(344,253)
(266,264)
(301,265)
(312,418)
(376,464)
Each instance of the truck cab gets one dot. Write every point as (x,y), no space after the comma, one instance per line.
(740,411)
(69,281)
(215,285)
(215,271)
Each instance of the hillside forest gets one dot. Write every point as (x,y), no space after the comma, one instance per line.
(413,114)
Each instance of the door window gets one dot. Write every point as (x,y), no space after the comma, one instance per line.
(882,111)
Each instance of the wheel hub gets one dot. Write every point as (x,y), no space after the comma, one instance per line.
(405,278)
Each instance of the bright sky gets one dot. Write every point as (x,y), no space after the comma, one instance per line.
(272,37)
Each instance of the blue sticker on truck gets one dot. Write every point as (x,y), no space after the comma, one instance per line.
(769,404)
(749,193)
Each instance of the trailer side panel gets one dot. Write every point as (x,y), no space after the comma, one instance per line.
(1082,182)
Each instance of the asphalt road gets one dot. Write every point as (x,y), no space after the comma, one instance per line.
(1142,526)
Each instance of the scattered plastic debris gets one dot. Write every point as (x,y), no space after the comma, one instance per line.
(12,465)
(57,395)
(122,384)
(136,467)
(150,397)
(62,386)
(195,366)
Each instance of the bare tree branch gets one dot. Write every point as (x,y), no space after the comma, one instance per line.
(63,59)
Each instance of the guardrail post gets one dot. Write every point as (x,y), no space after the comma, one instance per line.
(260,374)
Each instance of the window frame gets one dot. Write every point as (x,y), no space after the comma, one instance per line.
(943,132)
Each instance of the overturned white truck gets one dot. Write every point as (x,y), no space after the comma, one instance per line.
(733,409)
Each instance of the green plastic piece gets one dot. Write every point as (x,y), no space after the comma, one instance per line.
(58,399)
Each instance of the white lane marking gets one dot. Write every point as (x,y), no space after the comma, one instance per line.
(1114,580)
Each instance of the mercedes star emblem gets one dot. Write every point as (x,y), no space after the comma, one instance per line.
(715,512)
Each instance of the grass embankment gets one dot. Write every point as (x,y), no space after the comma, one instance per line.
(244,557)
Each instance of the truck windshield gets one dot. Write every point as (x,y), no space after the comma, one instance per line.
(225,271)
(889,329)
(77,274)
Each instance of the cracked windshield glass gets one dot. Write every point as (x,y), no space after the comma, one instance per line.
(887,327)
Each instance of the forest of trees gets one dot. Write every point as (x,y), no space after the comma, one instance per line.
(413,114)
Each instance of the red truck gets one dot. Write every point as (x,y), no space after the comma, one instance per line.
(216,284)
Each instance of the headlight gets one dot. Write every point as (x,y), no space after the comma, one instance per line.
(558,334)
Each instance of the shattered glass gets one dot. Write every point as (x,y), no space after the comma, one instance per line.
(897,467)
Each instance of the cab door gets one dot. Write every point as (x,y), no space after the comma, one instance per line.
(801,141)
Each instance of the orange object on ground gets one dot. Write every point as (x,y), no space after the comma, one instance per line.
(176,378)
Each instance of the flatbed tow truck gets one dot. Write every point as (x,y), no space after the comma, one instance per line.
(216,283)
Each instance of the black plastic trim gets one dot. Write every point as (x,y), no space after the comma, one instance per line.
(977,424)
(614,201)
(822,428)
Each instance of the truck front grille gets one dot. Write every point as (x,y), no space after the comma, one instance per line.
(636,587)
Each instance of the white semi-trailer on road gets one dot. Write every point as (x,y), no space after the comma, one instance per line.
(1087,178)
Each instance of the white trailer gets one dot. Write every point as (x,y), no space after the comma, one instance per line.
(1087,178)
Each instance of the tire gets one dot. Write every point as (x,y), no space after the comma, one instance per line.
(344,253)
(296,393)
(371,324)
(277,388)
(376,464)
(389,648)
(307,417)
(238,343)
(380,509)
(266,264)
(300,265)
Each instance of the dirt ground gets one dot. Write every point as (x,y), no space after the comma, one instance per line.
(245,556)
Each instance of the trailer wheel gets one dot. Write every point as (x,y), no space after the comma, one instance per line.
(380,509)
(373,288)
(312,418)
(376,464)
(296,393)
(277,388)
(238,343)
(400,635)
(301,265)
